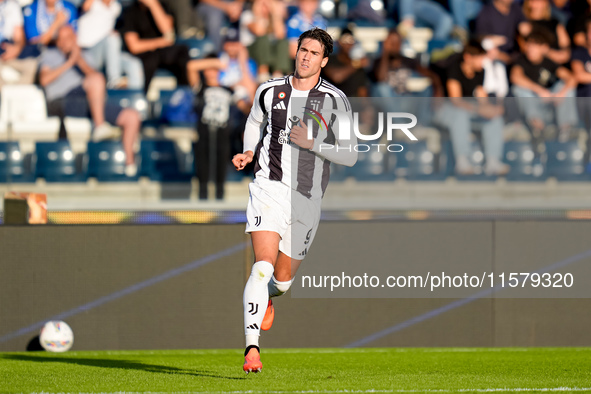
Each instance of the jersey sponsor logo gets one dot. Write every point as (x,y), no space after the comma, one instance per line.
(303,253)
(284,137)
(280,105)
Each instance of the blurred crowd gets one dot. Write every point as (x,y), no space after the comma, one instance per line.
(537,51)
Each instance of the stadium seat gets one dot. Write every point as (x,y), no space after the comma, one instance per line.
(130,98)
(162,161)
(417,163)
(520,157)
(198,48)
(23,107)
(106,162)
(565,161)
(476,158)
(14,165)
(158,109)
(371,166)
(338,173)
(56,162)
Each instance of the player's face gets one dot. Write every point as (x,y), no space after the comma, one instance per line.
(310,58)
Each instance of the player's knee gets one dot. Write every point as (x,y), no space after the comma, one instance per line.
(262,271)
(278,288)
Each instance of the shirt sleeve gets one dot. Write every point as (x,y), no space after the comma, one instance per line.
(252,130)
(293,28)
(127,22)
(73,21)
(578,54)
(30,22)
(342,151)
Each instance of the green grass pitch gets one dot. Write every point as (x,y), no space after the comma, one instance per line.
(301,370)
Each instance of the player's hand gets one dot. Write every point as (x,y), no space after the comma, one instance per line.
(299,136)
(242,159)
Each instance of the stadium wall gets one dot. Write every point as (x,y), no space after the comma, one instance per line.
(180,286)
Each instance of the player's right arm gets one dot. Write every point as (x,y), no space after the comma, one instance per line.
(252,130)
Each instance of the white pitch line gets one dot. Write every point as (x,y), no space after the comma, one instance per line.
(489,390)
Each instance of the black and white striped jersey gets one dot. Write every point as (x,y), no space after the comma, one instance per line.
(277,158)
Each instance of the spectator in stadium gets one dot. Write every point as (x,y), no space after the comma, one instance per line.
(148,33)
(216,14)
(576,26)
(466,79)
(581,66)
(215,104)
(539,17)
(43,19)
(305,19)
(239,72)
(263,32)
(184,17)
(97,35)
(562,10)
(73,88)
(540,83)
(392,70)
(427,13)
(345,69)
(500,23)
(12,42)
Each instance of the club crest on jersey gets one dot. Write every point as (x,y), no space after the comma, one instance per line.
(315,104)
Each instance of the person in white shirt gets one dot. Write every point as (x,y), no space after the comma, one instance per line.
(97,36)
(14,70)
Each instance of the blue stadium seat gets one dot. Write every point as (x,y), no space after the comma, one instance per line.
(476,158)
(158,107)
(57,163)
(198,48)
(520,157)
(566,161)
(14,166)
(161,162)
(106,162)
(371,166)
(417,163)
(130,98)
(338,173)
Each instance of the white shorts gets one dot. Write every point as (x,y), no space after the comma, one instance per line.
(274,206)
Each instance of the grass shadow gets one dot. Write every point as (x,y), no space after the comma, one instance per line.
(116,364)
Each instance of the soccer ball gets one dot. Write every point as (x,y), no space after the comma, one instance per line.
(56,336)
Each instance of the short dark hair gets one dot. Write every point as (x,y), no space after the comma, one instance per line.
(539,36)
(474,48)
(319,35)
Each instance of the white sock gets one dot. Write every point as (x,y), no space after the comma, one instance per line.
(255,299)
(277,288)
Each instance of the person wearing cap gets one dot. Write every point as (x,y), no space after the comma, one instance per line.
(239,72)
